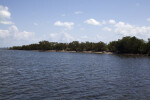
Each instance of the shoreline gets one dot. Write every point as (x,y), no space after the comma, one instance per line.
(100,52)
(94,52)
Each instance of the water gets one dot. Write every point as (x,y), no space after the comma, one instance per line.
(32,75)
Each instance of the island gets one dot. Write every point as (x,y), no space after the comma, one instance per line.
(126,45)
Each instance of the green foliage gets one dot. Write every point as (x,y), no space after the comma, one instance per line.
(44,45)
(131,45)
(112,46)
(100,46)
(72,46)
(128,45)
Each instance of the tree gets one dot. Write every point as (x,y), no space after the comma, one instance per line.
(100,46)
(44,45)
(74,46)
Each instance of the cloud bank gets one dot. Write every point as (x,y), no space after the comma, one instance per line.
(12,34)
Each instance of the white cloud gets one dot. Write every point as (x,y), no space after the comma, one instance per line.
(6,22)
(128,29)
(66,37)
(92,22)
(148,19)
(13,29)
(4,33)
(78,12)
(13,32)
(12,36)
(61,37)
(5,15)
(24,35)
(111,21)
(107,29)
(68,25)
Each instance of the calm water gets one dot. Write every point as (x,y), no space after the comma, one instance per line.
(32,75)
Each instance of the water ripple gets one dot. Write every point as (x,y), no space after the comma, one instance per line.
(28,75)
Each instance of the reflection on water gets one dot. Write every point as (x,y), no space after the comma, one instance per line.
(31,75)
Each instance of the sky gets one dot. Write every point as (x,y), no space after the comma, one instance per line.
(25,22)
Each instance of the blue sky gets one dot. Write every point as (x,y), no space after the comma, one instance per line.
(24,22)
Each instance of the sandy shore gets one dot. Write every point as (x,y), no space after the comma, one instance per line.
(103,52)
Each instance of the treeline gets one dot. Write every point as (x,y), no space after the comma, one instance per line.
(130,45)
(72,46)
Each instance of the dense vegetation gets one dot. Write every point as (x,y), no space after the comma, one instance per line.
(73,46)
(130,45)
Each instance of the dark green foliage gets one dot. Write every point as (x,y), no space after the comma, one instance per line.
(130,45)
(148,47)
(60,46)
(100,46)
(72,46)
(88,46)
(44,45)
(82,46)
(113,46)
